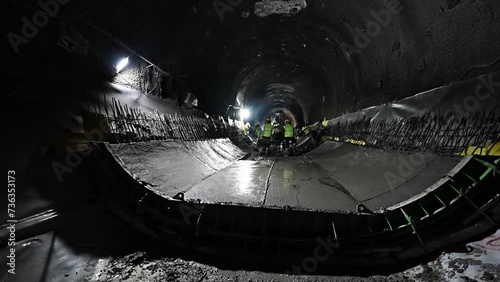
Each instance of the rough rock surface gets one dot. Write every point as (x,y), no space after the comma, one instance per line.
(269,7)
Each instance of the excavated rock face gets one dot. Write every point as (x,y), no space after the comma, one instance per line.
(309,58)
(280,7)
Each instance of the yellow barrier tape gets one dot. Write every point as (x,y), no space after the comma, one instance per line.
(491,150)
(356,142)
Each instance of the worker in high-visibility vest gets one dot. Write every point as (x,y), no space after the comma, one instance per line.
(268,129)
(267,133)
(289,133)
(324,123)
(246,128)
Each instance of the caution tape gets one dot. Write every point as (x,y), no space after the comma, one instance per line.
(491,150)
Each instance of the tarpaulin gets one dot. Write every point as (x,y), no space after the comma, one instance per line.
(478,94)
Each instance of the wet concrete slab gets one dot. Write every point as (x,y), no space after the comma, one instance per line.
(171,167)
(402,188)
(380,178)
(242,182)
(299,183)
(336,176)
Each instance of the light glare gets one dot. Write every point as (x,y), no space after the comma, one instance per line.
(122,64)
(244,113)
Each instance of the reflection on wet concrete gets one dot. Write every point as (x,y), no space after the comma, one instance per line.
(77,249)
(242,182)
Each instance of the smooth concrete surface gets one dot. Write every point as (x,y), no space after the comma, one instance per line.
(378,178)
(335,176)
(170,167)
(297,182)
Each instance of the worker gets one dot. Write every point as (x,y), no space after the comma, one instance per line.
(266,134)
(324,123)
(258,130)
(289,133)
(278,133)
(246,128)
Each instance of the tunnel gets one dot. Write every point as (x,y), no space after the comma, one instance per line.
(273,140)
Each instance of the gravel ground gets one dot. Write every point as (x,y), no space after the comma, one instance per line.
(480,264)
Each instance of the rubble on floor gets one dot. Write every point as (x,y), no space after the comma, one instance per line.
(481,263)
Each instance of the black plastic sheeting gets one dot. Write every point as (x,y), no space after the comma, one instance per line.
(480,94)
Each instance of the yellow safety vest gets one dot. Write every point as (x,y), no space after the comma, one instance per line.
(288,130)
(258,131)
(268,128)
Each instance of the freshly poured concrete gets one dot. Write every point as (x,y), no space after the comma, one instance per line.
(242,182)
(171,167)
(335,176)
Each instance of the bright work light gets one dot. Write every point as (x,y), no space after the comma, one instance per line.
(122,64)
(244,113)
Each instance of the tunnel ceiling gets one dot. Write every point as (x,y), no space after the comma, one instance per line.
(306,57)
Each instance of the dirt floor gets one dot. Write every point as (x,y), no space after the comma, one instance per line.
(481,263)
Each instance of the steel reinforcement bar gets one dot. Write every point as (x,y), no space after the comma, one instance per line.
(120,123)
(438,133)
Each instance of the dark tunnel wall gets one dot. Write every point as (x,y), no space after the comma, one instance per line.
(296,55)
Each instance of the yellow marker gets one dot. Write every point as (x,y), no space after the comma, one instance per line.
(491,150)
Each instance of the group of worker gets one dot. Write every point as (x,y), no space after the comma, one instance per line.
(270,133)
